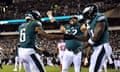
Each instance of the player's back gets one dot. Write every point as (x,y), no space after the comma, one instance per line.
(28,34)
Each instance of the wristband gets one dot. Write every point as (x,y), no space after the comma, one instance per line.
(91,42)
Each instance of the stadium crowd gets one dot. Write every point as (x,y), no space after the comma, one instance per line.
(16,10)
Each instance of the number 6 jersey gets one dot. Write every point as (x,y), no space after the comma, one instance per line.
(27,34)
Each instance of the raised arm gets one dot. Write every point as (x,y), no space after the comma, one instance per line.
(49,36)
(49,14)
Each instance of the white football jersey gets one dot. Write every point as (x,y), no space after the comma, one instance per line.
(61,47)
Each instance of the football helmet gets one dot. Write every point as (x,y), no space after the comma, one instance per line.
(33,14)
(73,20)
(90,11)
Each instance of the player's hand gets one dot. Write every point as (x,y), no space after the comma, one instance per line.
(85,61)
(49,14)
(83,28)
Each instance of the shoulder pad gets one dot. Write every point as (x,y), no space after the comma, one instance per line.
(39,23)
(101,18)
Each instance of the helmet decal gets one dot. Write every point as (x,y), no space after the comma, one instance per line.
(33,14)
(90,11)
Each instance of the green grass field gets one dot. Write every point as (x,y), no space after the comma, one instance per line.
(9,68)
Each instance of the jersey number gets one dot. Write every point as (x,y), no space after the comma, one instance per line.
(22,35)
(73,31)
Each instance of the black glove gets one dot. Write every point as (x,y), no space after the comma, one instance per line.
(68,37)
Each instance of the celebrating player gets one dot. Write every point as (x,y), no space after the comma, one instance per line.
(27,36)
(97,36)
(73,51)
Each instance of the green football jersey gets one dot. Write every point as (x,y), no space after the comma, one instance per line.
(27,34)
(105,36)
(74,30)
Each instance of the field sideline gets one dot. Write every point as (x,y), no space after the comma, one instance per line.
(9,68)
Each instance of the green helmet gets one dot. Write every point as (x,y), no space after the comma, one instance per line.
(90,11)
(33,14)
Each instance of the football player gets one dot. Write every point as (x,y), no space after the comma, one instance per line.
(61,46)
(27,37)
(97,36)
(73,52)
